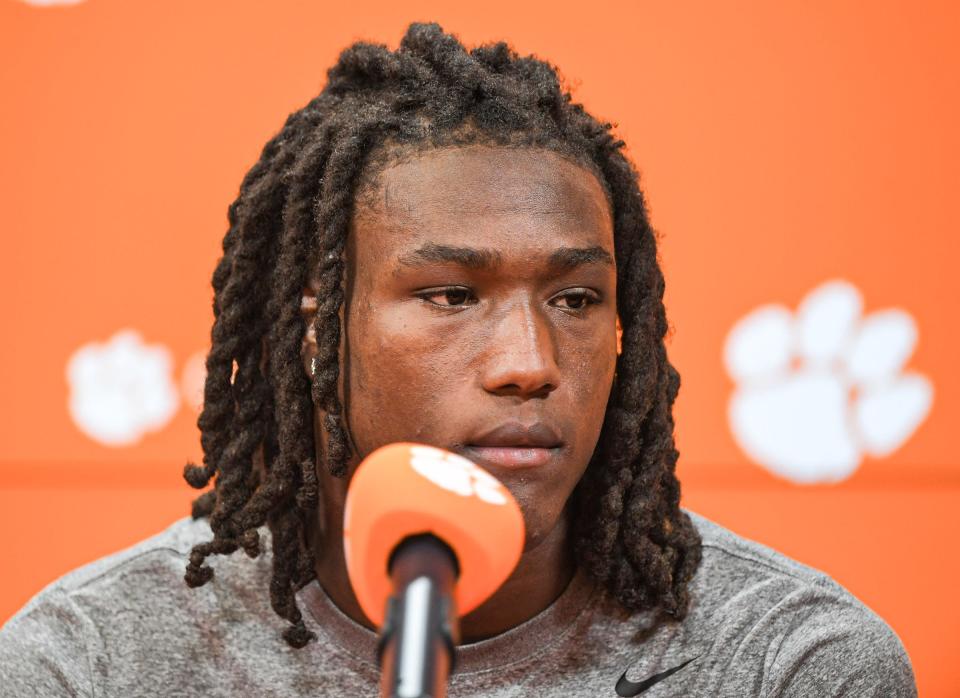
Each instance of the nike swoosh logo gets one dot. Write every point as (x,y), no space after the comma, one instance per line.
(626,687)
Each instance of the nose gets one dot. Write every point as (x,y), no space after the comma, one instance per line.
(521,360)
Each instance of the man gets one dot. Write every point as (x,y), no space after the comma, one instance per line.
(443,248)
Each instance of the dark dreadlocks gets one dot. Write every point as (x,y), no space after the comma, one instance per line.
(290,223)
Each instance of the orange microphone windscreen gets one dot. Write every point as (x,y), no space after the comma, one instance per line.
(406,489)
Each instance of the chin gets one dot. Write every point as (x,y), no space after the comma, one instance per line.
(540,527)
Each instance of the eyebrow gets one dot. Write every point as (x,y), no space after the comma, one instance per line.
(469,257)
(568,258)
(560,260)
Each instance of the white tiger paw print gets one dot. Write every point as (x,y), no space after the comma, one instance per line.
(818,389)
(120,390)
(457,474)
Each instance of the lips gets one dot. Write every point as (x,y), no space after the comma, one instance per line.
(514,445)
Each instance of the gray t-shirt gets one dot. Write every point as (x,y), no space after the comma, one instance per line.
(760,624)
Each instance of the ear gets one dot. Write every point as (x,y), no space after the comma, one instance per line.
(619,337)
(308,347)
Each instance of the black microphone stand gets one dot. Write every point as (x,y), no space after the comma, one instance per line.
(416,650)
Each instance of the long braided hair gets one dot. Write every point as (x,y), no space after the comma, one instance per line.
(289,226)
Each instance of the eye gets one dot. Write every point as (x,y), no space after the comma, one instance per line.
(449,296)
(575,299)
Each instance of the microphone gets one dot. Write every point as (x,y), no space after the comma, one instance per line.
(428,537)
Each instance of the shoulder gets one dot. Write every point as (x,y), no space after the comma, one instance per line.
(731,560)
(801,630)
(171,544)
(151,573)
(137,573)
(739,578)
(133,601)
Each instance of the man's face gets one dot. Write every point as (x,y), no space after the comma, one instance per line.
(481,317)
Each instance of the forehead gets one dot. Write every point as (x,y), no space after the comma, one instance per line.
(511,199)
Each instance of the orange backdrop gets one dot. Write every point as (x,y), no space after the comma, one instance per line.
(782,146)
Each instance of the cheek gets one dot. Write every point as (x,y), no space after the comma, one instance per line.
(399,379)
(588,364)
(589,372)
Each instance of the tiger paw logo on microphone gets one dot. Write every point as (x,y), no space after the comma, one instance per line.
(456,474)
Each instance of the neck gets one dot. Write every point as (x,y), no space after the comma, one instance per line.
(544,571)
